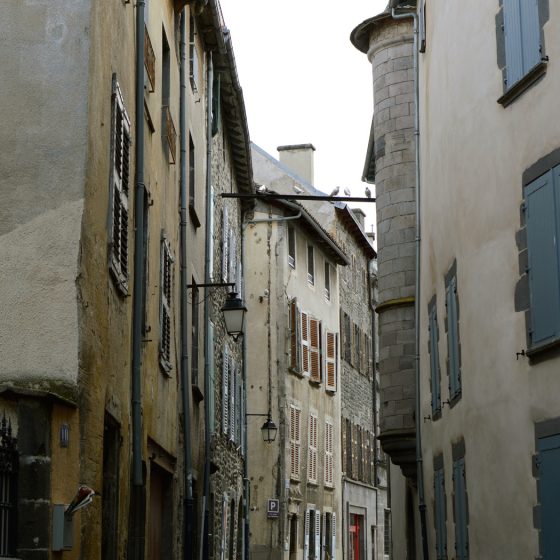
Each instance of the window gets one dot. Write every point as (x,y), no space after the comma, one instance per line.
(160,513)
(166,284)
(8,489)
(329,531)
(216,104)
(194,334)
(331,361)
(440,510)
(453,347)
(293,537)
(542,218)
(233,388)
(226,387)
(433,334)
(304,343)
(295,335)
(211,397)
(110,497)
(329,453)
(520,36)
(546,469)
(422,26)
(291,246)
(295,442)
(460,509)
(120,175)
(310,265)
(312,534)
(165,71)
(387,532)
(193,57)
(313,445)
(192,184)
(315,349)
(226,235)
(327,281)
(356,537)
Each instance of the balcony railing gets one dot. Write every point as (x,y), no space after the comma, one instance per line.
(170,133)
(149,59)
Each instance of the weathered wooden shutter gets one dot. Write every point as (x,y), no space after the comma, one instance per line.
(441,532)
(343,444)
(295,354)
(120,187)
(232,396)
(452,338)
(333,539)
(225,390)
(312,449)
(211,397)
(530,34)
(317,535)
(305,361)
(232,268)
(225,243)
(548,465)
(295,442)
(542,219)
(330,361)
(211,233)
(306,534)
(329,453)
(422,26)
(460,504)
(166,282)
(434,361)
(324,538)
(512,34)
(225,527)
(315,348)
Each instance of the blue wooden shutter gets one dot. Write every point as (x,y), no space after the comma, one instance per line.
(452,338)
(530,34)
(434,362)
(460,503)
(549,492)
(439,496)
(542,233)
(512,32)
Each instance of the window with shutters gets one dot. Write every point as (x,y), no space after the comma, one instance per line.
(194,64)
(305,345)
(195,334)
(331,361)
(347,329)
(211,397)
(310,265)
(329,535)
(120,189)
(295,442)
(327,281)
(422,26)
(315,349)
(546,469)
(192,184)
(232,398)
(166,288)
(225,389)
(440,510)
(542,220)
(349,450)
(313,447)
(291,246)
(521,38)
(387,532)
(226,236)
(295,337)
(452,326)
(329,453)
(460,509)
(433,349)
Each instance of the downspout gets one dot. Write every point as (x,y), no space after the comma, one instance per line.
(246,481)
(136,500)
(207,279)
(188,505)
(418,414)
(137,478)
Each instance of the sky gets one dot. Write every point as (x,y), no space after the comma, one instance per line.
(304,82)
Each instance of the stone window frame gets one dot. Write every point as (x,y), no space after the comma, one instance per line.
(522,298)
(533,75)
(452,274)
(543,429)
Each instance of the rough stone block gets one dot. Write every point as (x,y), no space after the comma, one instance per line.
(400,89)
(401,110)
(403,63)
(392,423)
(404,122)
(397,77)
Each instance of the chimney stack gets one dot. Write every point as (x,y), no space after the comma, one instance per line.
(299,158)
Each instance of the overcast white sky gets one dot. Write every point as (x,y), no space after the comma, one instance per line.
(304,82)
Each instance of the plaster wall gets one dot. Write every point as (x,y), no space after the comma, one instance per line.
(474,152)
(43,159)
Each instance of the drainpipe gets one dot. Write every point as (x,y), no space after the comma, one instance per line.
(137,292)
(418,412)
(188,505)
(246,482)
(208,256)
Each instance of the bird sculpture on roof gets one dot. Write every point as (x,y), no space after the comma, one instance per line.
(262,189)
(297,189)
(335,191)
(347,191)
(368,192)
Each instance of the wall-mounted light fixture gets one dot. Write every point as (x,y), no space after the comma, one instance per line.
(233,308)
(268,429)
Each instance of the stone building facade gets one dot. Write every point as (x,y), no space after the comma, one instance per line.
(99,239)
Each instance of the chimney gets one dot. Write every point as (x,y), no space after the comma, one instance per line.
(360,216)
(299,158)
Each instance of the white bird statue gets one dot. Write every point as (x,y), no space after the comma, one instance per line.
(297,189)
(335,191)
(347,191)
(368,192)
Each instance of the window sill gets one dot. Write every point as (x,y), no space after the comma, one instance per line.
(543,349)
(120,282)
(296,372)
(535,74)
(315,382)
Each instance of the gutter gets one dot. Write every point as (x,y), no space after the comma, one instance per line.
(418,415)
(188,502)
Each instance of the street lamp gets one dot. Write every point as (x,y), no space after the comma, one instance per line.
(269,430)
(234,315)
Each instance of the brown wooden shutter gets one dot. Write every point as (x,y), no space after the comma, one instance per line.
(314,342)
(330,361)
(293,335)
(305,343)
